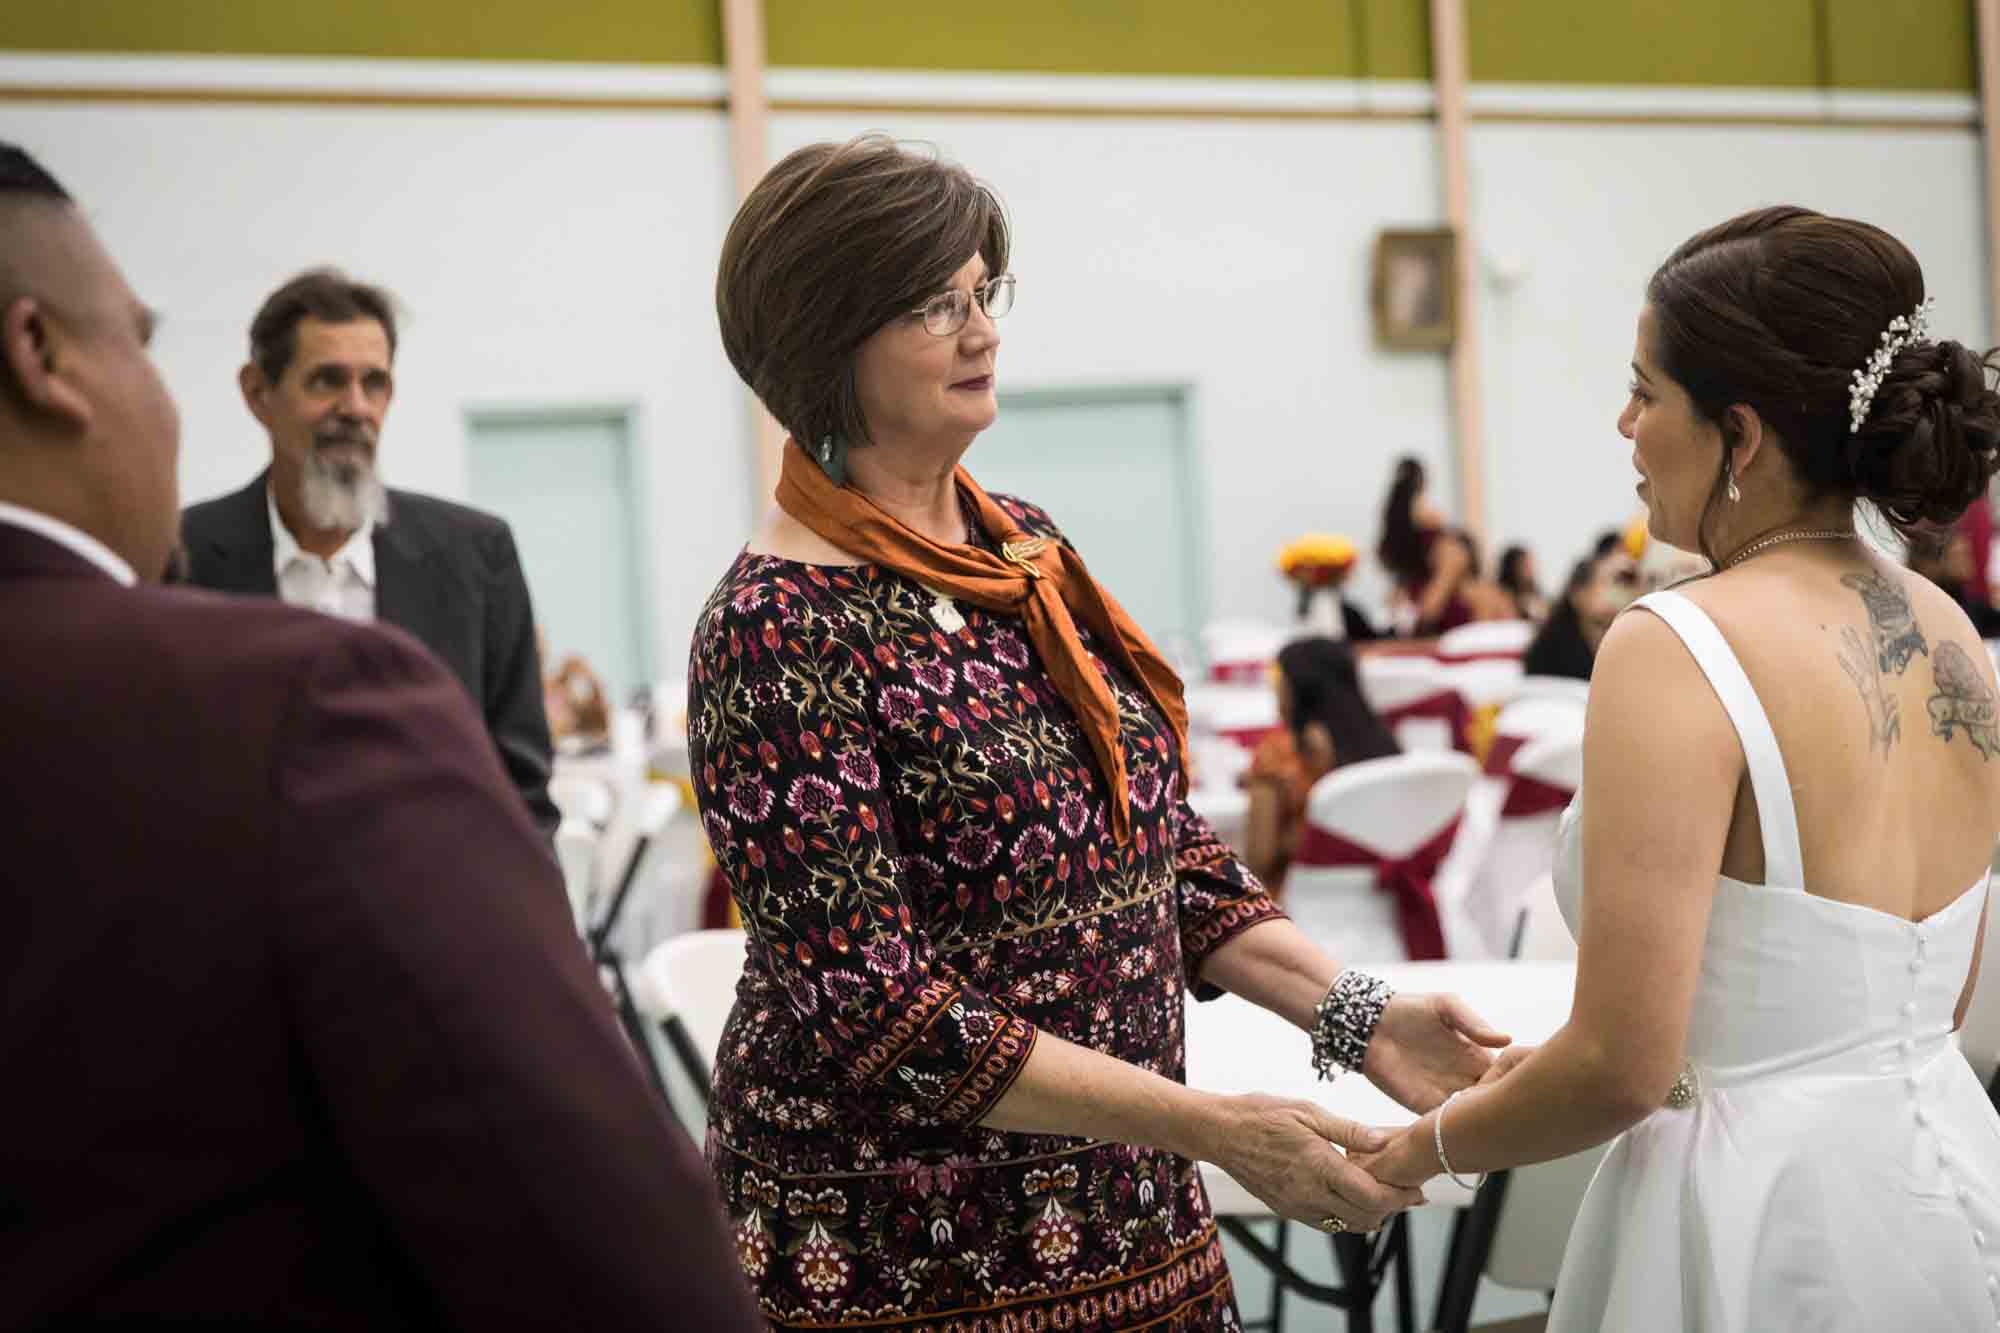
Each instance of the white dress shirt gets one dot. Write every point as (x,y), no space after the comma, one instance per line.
(77,540)
(343,585)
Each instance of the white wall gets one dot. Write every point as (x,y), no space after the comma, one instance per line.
(568,256)
(547,258)
(1587,212)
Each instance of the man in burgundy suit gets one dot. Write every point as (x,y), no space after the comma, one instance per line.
(294,1027)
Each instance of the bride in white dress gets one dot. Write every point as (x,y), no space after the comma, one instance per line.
(1776,870)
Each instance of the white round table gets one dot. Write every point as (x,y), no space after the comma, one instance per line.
(1235,1047)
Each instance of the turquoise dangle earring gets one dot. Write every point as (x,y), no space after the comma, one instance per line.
(832,458)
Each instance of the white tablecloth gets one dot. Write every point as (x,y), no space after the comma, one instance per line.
(1235,1047)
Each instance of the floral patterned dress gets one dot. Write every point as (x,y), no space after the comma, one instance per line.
(917,838)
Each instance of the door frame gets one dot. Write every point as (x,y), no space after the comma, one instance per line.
(628,417)
(1184,399)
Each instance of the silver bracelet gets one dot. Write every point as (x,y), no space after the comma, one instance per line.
(1437,1141)
(1344,1021)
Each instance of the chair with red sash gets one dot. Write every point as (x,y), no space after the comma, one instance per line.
(1241,714)
(1567,688)
(1419,701)
(1241,652)
(1486,641)
(1361,880)
(1545,773)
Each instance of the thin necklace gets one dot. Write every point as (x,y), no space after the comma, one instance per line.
(1796,535)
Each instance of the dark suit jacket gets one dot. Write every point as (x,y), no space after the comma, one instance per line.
(295,1028)
(447,574)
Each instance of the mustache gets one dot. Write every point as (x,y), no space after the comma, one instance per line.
(327,437)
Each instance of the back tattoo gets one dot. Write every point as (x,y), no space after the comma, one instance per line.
(1964,701)
(1897,638)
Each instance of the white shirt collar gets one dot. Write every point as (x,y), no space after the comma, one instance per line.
(358,550)
(75,539)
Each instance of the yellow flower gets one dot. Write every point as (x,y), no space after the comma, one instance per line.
(1635,538)
(1316,551)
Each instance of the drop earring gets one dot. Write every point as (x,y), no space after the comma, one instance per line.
(832,458)
(1734,493)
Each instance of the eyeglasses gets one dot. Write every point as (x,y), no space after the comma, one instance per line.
(946,313)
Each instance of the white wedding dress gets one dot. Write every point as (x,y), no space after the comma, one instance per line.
(1839,1164)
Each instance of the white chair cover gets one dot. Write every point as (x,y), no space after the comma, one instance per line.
(1391,806)
(1522,848)
(1485,639)
(1543,934)
(1392,684)
(1552,687)
(1241,651)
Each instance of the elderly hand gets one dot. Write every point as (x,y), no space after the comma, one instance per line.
(1287,1154)
(1427,1047)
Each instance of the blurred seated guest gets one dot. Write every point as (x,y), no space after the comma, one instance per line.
(1599,588)
(573,696)
(1327,723)
(1948,562)
(1435,568)
(1518,580)
(376,1084)
(1318,564)
(1977,529)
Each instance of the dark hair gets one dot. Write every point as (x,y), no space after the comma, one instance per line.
(1559,647)
(1326,689)
(23,177)
(1512,574)
(835,242)
(1776,310)
(325,294)
(1607,541)
(1403,550)
(22,181)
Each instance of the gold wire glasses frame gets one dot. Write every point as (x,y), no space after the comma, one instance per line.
(946,313)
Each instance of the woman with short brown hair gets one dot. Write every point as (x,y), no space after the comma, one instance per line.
(943,774)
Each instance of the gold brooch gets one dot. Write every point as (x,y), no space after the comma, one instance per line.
(1022,552)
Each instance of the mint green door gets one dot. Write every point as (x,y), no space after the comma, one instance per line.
(1115,468)
(565,483)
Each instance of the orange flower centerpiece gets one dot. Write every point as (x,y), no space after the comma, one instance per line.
(1318,563)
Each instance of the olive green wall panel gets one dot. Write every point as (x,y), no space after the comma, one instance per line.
(1273,38)
(1761,43)
(1926,45)
(611,31)
(1922,45)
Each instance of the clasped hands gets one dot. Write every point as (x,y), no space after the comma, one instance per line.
(1289,1153)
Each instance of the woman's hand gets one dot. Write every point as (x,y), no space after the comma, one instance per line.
(1287,1154)
(1509,1059)
(1407,1161)
(1427,1047)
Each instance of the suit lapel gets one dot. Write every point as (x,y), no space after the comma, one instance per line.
(407,594)
(236,554)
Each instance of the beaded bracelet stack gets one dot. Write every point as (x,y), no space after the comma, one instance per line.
(1345,1019)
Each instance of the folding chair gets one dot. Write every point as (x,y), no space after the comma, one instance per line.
(686,986)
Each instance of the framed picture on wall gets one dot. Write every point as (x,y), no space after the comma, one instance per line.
(1412,291)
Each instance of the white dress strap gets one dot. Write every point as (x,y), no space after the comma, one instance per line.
(1769,784)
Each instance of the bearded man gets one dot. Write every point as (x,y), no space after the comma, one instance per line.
(319,529)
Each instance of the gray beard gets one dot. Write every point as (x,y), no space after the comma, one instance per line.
(345,496)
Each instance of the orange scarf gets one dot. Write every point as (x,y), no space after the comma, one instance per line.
(1042,580)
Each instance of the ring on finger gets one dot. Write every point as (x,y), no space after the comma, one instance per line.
(1333,1223)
